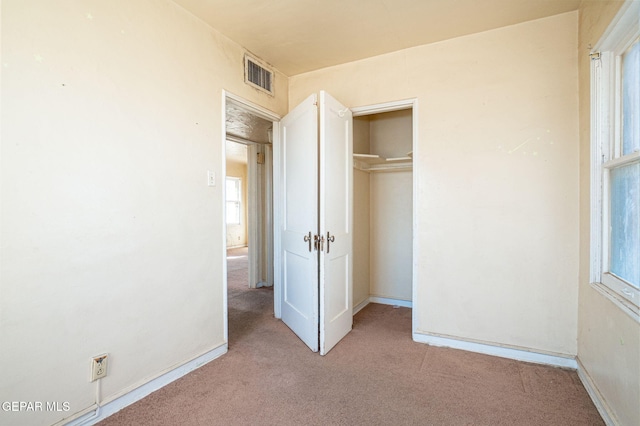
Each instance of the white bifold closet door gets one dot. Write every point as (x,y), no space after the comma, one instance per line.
(316,233)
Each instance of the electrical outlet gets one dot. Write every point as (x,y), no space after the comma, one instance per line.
(98,367)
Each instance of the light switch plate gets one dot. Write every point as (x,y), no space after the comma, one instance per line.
(211,178)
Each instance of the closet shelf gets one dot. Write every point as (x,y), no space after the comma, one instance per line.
(376,163)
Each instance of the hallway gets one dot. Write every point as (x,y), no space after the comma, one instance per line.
(247,307)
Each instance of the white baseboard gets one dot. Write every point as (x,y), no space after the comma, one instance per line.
(382,301)
(389,301)
(112,407)
(597,398)
(360,306)
(483,348)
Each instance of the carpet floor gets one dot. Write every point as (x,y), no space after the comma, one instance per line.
(375,376)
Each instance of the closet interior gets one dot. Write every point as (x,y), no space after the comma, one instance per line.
(383,206)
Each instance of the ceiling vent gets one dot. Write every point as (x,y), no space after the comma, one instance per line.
(257,75)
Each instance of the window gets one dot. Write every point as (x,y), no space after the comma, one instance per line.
(615,167)
(234,197)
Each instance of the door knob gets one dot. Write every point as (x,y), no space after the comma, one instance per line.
(330,239)
(307,238)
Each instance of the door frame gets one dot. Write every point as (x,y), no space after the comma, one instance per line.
(253,196)
(389,107)
(412,104)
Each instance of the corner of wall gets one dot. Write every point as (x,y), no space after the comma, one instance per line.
(608,339)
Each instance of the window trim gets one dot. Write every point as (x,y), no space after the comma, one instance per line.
(605,152)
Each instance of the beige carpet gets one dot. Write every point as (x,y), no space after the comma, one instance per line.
(376,376)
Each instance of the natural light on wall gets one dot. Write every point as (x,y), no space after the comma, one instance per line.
(615,104)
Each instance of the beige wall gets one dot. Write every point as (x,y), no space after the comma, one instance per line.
(111,241)
(392,133)
(608,339)
(497,177)
(391,235)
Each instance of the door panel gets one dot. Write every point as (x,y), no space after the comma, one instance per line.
(337,298)
(336,176)
(317,191)
(299,173)
(295,295)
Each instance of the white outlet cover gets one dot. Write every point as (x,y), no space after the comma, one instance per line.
(99,367)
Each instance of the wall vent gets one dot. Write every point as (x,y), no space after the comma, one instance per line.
(257,75)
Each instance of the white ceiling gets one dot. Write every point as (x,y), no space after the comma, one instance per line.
(296,36)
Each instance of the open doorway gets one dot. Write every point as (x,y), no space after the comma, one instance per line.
(248,213)
(384,205)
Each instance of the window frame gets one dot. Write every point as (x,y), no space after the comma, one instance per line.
(606,150)
(237,202)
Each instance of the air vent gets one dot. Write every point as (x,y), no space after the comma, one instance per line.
(257,75)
